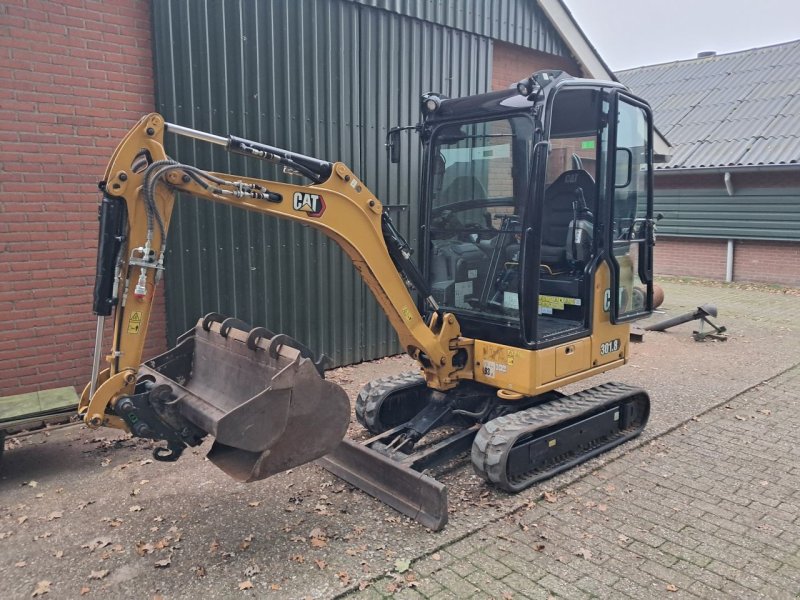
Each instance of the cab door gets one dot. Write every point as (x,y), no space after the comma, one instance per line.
(630,190)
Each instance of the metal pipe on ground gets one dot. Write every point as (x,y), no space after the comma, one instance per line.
(706,310)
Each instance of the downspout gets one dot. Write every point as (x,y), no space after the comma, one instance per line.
(729,263)
(729,260)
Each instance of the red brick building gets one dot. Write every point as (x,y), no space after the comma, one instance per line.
(76,74)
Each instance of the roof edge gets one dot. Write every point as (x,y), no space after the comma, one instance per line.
(697,59)
(762,168)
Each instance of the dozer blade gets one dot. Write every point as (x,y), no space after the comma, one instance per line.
(266,405)
(410,492)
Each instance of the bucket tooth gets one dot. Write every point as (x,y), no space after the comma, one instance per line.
(268,411)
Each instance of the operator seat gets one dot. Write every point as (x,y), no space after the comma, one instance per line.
(558,213)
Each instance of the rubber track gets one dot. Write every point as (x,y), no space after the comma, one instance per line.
(372,395)
(497,437)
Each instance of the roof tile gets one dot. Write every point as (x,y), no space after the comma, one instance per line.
(732,109)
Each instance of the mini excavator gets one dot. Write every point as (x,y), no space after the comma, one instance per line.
(535,228)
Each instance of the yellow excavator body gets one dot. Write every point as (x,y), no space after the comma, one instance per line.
(525,285)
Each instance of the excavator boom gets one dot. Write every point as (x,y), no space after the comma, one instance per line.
(261,395)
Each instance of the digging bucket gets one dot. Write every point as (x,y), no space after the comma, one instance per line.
(264,400)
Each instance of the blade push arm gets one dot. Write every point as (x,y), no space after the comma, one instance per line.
(140,185)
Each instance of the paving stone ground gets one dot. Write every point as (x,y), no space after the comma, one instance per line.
(709,510)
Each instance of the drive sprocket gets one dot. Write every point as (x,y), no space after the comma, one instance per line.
(391,401)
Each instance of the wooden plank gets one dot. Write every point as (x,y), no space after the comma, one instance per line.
(33,404)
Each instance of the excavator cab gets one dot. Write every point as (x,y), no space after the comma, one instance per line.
(519,197)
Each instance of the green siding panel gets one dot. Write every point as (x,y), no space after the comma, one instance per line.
(519,22)
(321,77)
(764,214)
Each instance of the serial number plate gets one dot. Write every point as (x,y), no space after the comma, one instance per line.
(609,347)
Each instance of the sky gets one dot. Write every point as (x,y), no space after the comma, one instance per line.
(634,33)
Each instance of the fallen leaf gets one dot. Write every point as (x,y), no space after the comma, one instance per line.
(135,508)
(539,547)
(85,590)
(344,577)
(21,520)
(507,595)
(56,514)
(20,564)
(146,461)
(436,556)
(318,543)
(362,585)
(401,565)
(254,503)
(321,564)
(213,547)
(583,552)
(162,564)
(246,585)
(134,492)
(550,497)
(298,558)
(671,587)
(58,553)
(144,548)
(33,484)
(98,574)
(199,571)
(602,507)
(42,587)
(740,418)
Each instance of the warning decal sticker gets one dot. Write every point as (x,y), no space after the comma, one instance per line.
(135,322)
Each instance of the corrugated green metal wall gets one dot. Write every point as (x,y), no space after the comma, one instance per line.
(322,77)
(519,22)
(757,214)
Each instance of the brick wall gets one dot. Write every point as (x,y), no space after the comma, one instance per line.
(768,262)
(76,74)
(511,63)
(759,261)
